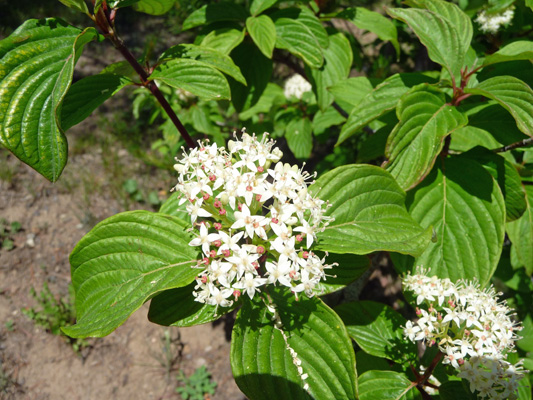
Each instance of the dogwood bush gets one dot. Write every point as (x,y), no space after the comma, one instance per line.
(409,143)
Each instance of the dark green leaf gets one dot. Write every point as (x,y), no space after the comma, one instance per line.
(378,330)
(338,59)
(36,66)
(351,90)
(87,94)
(325,120)
(466,208)
(306,17)
(379,385)
(368,207)
(225,11)
(455,390)
(512,94)
(258,6)
(425,120)
(300,138)
(122,262)
(271,96)
(263,33)
(79,5)
(154,7)
(294,36)
(209,56)
(261,360)
(381,100)
(373,22)
(176,307)
(349,268)
(507,177)
(197,77)
(520,232)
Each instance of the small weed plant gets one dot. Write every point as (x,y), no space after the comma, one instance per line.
(7,230)
(197,386)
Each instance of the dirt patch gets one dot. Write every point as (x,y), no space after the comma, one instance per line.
(134,361)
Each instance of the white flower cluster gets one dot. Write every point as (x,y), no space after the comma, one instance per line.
(296,86)
(491,23)
(255,224)
(471,328)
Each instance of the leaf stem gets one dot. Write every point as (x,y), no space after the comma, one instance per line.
(515,145)
(105,22)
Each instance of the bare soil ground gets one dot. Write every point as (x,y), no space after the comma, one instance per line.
(131,363)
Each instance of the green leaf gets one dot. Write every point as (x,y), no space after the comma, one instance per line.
(307,18)
(116,3)
(455,390)
(519,50)
(413,145)
(79,5)
(261,360)
(154,7)
(444,29)
(507,177)
(172,207)
(368,207)
(209,56)
(87,94)
(36,66)
(197,77)
(272,95)
(224,11)
(325,120)
(378,330)
(176,307)
(122,262)
(294,36)
(373,22)
(381,100)
(512,94)
(300,138)
(351,90)
(350,267)
(466,208)
(258,6)
(257,75)
(520,232)
(379,385)
(263,33)
(338,59)
(223,40)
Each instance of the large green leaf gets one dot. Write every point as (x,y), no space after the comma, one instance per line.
(373,22)
(87,94)
(338,59)
(369,211)
(425,120)
(507,177)
(381,100)
(350,267)
(197,77)
(261,357)
(176,307)
(154,7)
(172,207)
(263,33)
(294,36)
(79,5)
(122,262)
(378,330)
(224,39)
(299,137)
(520,50)
(521,234)
(207,55)
(444,29)
(36,65)
(224,11)
(272,95)
(466,208)
(512,94)
(351,90)
(258,6)
(379,385)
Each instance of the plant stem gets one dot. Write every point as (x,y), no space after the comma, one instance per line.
(515,145)
(104,21)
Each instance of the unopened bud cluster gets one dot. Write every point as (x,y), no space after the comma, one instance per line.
(256,220)
(472,329)
(296,86)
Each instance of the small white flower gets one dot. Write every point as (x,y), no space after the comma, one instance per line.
(296,86)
